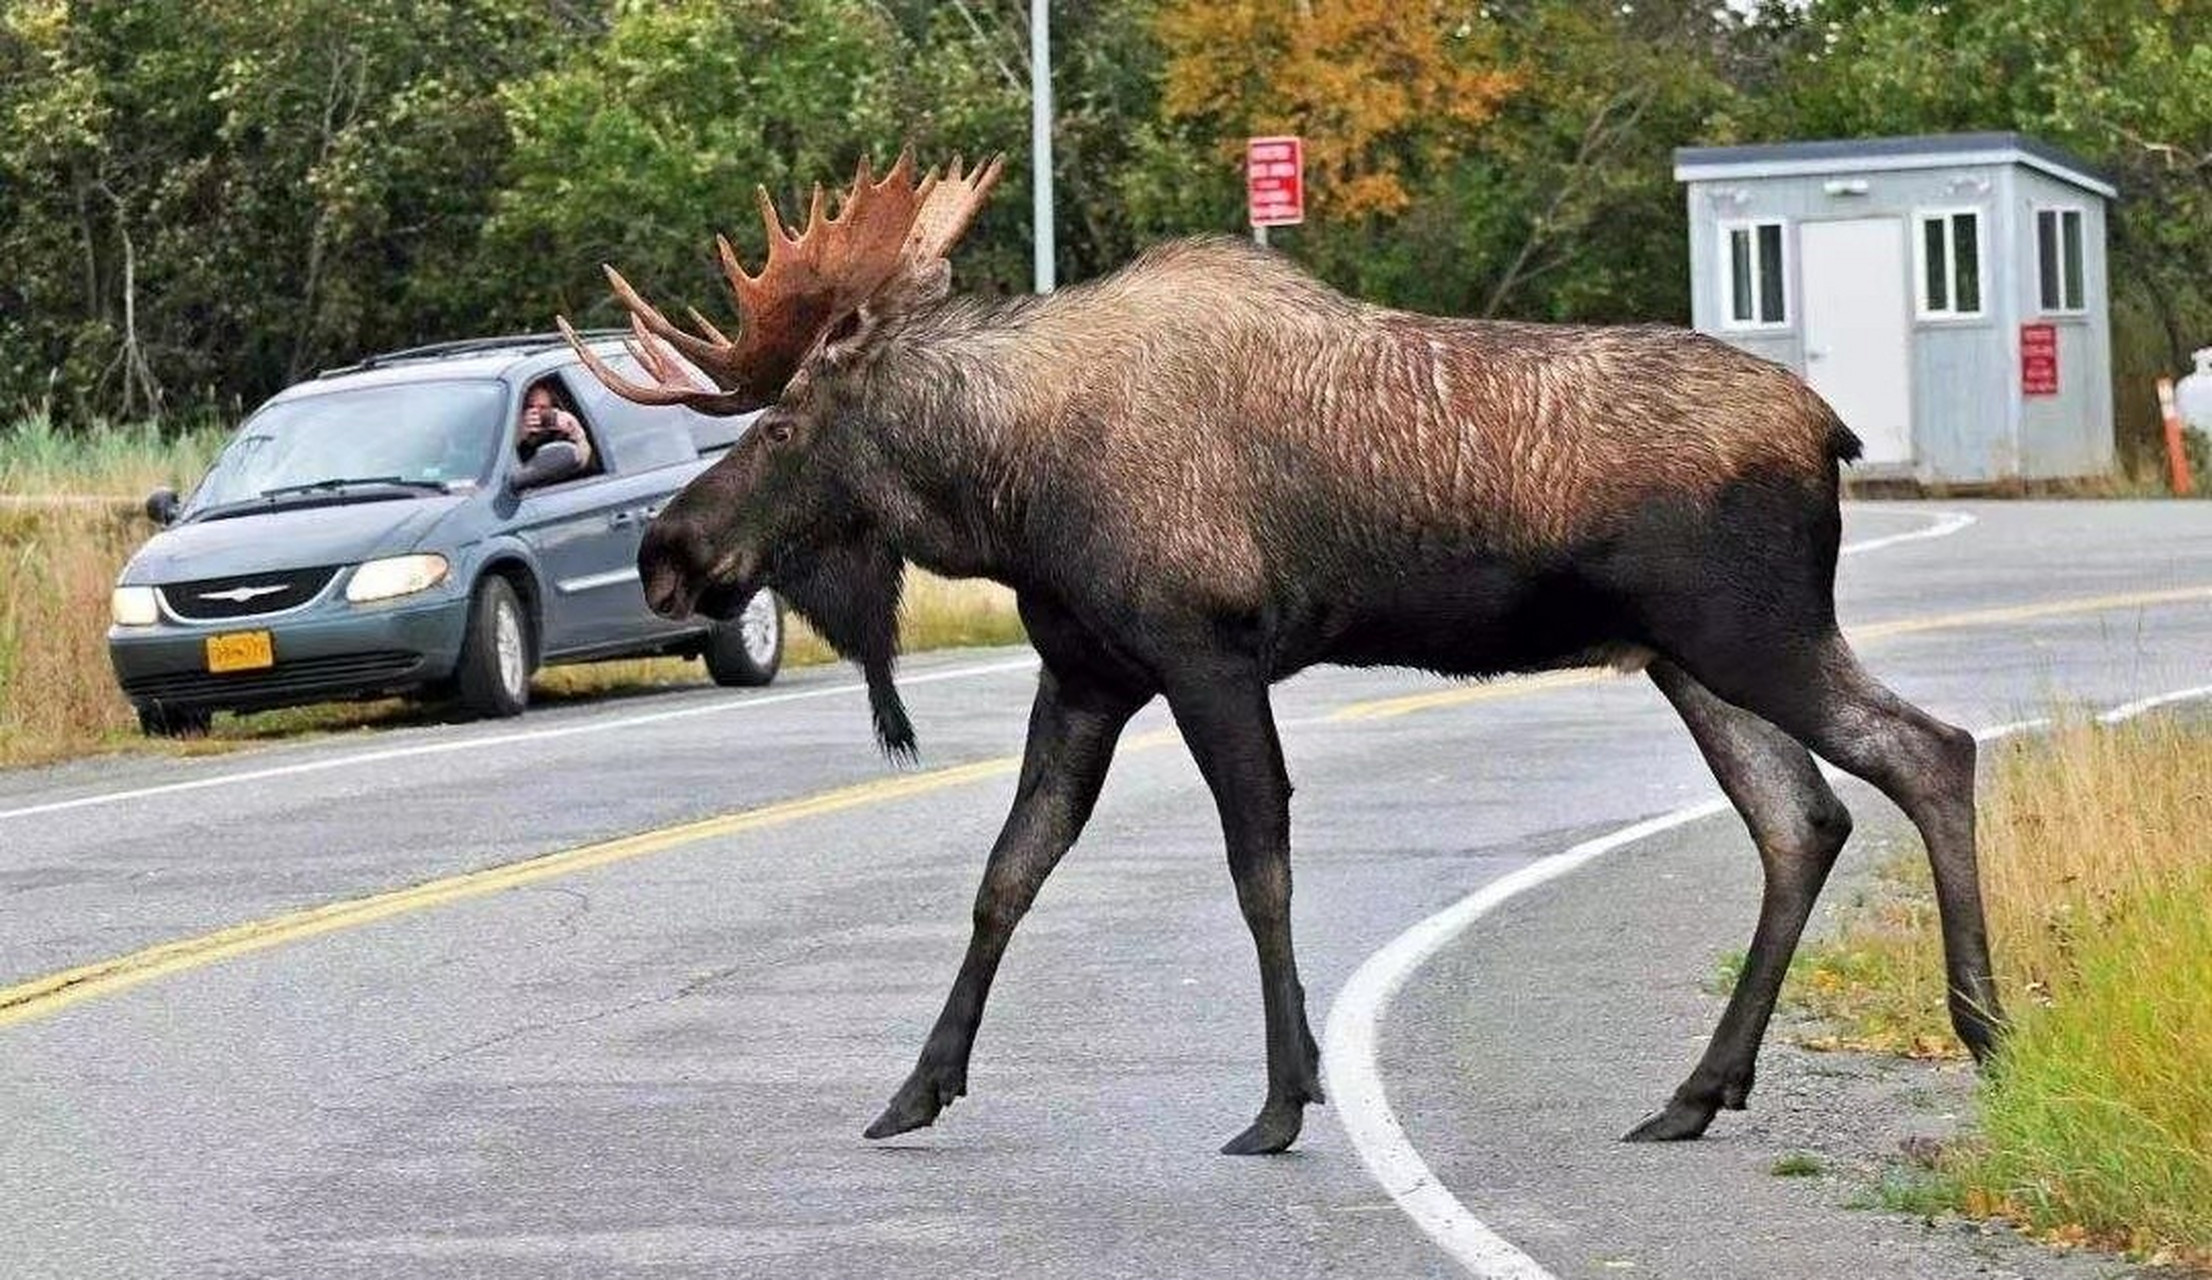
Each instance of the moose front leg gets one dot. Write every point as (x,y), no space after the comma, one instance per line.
(1225,718)
(1073,727)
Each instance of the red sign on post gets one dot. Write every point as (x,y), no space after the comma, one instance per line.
(2039,359)
(1275,181)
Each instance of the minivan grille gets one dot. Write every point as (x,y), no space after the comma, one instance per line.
(246,596)
(298,678)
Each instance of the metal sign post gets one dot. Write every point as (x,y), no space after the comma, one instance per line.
(1040,140)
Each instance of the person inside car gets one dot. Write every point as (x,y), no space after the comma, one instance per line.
(545,422)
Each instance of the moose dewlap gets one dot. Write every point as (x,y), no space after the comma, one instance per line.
(1207,471)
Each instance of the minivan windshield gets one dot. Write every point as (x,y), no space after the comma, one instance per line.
(421,435)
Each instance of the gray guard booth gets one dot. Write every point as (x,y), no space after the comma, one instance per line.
(1947,294)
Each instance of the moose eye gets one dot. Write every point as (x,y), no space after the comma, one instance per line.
(778,431)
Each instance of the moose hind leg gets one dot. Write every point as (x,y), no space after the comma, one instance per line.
(1799,827)
(1820,694)
(1073,728)
(1227,722)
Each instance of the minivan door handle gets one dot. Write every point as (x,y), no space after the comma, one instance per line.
(621,519)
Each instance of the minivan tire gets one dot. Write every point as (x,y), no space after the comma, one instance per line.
(493,677)
(745,651)
(158,721)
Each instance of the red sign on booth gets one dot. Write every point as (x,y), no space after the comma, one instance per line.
(1275,181)
(2039,359)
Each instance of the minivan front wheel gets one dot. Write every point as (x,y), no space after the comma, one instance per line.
(493,679)
(745,651)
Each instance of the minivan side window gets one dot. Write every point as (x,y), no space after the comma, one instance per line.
(565,397)
(644,437)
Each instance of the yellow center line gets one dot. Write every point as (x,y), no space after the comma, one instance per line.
(41,996)
(2029,612)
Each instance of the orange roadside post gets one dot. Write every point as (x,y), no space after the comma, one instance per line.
(2177,459)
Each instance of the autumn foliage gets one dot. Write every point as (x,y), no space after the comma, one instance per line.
(1384,93)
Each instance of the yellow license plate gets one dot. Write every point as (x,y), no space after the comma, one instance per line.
(240,651)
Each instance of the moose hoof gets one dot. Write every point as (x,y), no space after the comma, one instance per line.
(1274,1131)
(914,1106)
(1680,1122)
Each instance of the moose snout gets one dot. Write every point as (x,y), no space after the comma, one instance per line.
(685,573)
(672,565)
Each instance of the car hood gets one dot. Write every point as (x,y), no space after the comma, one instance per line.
(293,538)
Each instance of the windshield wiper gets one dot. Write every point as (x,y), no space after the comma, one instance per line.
(346,482)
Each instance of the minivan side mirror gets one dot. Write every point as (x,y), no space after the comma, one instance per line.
(556,460)
(161,505)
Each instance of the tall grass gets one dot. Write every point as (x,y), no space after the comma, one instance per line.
(118,460)
(57,694)
(2097,869)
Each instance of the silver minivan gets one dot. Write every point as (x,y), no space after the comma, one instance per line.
(377,531)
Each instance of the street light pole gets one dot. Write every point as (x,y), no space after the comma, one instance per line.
(1040,139)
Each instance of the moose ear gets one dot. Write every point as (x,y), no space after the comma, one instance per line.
(915,286)
(912,287)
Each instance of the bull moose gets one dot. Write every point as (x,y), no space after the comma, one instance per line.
(1208,470)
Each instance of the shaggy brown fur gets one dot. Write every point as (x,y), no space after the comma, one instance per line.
(1236,434)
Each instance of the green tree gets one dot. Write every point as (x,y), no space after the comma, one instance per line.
(2120,82)
(208,198)
(644,147)
(1565,207)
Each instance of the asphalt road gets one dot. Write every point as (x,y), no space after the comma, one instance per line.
(659,1063)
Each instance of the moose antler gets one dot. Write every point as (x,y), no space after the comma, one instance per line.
(809,279)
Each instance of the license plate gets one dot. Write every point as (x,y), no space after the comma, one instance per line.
(240,651)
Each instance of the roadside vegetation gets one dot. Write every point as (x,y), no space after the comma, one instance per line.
(2097,866)
(40,460)
(70,516)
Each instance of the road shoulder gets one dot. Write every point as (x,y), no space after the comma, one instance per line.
(1516,1091)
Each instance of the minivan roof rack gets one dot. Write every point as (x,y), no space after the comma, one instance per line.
(525,342)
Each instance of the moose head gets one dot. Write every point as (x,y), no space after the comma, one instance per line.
(779,509)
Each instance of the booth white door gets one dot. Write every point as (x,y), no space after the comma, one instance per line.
(1858,328)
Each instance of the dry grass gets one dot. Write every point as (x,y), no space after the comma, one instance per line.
(68,520)
(57,695)
(2097,868)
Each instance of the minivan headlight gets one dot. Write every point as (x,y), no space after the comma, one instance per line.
(134,606)
(395,576)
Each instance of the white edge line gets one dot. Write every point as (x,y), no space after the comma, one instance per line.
(1348,1058)
(1348,1052)
(2130,710)
(1943,524)
(723,707)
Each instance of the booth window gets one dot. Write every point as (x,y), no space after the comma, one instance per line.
(1751,260)
(2058,258)
(1950,253)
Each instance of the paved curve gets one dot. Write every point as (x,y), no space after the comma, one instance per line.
(660,1066)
